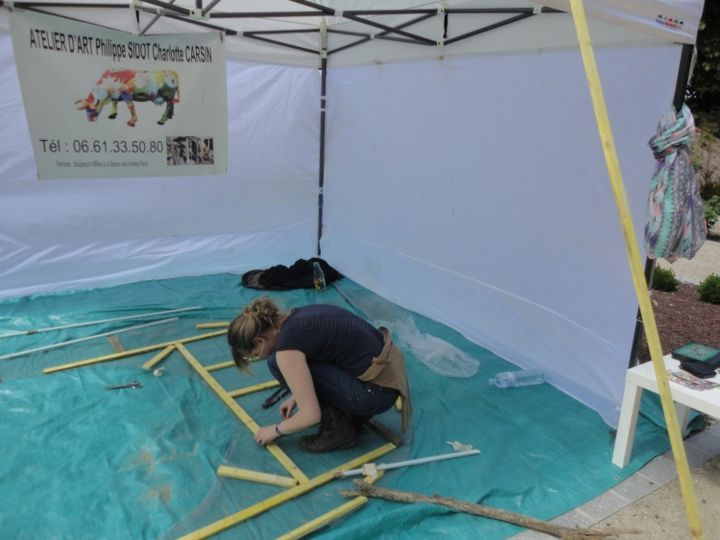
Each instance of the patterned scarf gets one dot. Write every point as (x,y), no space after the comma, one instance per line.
(676,218)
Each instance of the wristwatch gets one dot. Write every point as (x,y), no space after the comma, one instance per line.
(277,430)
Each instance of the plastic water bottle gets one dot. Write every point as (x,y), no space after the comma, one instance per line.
(509,379)
(318,277)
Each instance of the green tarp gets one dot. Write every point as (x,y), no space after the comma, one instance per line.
(81,461)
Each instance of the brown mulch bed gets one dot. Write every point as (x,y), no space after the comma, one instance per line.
(682,317)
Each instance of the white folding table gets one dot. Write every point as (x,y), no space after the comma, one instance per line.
(641,378)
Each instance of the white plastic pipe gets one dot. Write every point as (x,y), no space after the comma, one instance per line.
(101,321)
(386,466)
(78,340)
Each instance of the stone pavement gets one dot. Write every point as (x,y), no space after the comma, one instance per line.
(650,500)
(705,262)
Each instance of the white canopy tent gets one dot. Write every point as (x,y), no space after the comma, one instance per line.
(460,170)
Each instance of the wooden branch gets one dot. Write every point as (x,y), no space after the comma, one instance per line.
(558,531)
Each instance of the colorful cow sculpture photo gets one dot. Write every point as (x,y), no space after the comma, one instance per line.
(130,85)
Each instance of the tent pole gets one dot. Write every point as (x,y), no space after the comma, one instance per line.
(633,253)
(172,15)
(170,7)
(381,34)
(505,22)
(153,21)
(348,15)
(683,78)
(323,95)
(253,35)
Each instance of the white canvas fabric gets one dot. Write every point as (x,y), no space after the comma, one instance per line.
(492,211)
(60,234)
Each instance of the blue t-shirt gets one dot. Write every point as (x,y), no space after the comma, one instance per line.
(330,334)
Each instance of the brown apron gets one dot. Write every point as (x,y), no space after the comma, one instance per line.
(388,370)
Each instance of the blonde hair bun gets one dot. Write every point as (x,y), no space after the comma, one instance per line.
(259,316)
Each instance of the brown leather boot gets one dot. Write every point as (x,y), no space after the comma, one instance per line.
(337,430)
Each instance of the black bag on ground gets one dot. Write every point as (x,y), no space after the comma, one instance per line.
(282,278)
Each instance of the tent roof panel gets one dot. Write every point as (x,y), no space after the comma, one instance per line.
(288,31)
(674,20)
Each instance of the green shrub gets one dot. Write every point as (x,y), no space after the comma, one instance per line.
(664,280)
(712,210)
(709,289)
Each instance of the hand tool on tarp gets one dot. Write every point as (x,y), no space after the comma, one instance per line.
(276,396)
(131,384)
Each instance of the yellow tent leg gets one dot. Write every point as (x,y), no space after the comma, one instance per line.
(341,511)
(651,332)
(275,500)
(244,417)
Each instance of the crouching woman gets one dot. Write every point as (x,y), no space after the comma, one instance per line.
(340,370)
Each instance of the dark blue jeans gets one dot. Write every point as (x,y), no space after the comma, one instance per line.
(341,389)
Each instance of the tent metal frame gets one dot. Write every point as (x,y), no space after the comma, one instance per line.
(579,18)
(170,10)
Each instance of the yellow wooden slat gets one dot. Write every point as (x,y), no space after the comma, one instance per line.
(322,521)
(244,417)
(220,365)
(254,388)
(291,493)
(256,476)
(336,513)
(159,357)
(131,352)
(228,364)
(115,343)
(636,267)
(219,324)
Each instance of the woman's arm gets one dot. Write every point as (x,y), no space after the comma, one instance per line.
(294,368)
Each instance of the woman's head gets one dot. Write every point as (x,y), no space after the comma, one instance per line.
(253,332)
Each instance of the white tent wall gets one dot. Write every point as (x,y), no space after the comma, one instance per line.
(61,234)
(474,191)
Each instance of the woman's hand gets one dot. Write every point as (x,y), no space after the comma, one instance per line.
(286,408)
(266,435)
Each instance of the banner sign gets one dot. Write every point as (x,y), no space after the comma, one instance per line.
(103,103)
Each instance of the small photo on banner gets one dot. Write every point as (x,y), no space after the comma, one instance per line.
(190,150)
(102,103)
